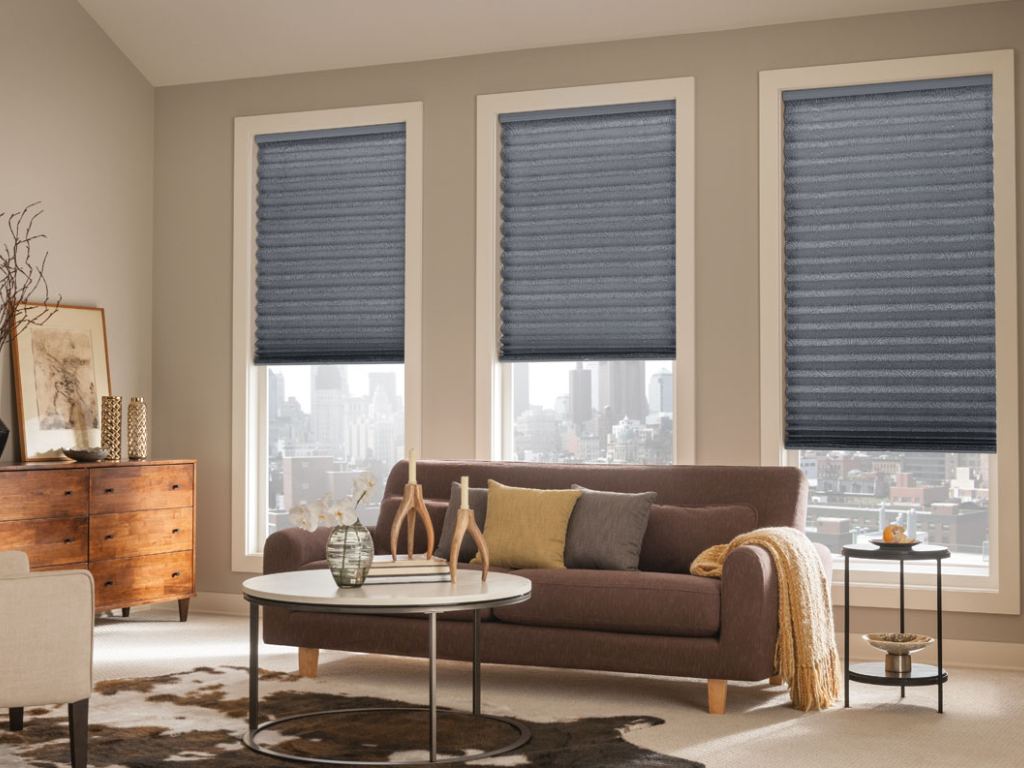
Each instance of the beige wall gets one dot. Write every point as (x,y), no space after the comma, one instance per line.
(192,329)
(76,133)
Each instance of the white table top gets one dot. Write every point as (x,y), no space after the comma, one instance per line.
(318,588)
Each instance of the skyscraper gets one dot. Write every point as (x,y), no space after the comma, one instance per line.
(581,404)
(659,392)
(329,397)
(620,389)
(520,389)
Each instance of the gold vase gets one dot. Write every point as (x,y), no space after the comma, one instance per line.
(110,429)
(138,436)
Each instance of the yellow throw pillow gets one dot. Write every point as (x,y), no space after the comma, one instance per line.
(525,527)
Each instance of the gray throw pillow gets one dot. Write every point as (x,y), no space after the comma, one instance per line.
(606,530)
(478,503)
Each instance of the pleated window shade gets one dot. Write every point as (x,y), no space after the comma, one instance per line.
(330,246)
(890,292)
(588,208)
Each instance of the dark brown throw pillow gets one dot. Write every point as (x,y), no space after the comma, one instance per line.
(606,530)
(478,503)
(676,535)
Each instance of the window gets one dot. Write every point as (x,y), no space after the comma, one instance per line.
(327,304)
(584,270)
(889,368)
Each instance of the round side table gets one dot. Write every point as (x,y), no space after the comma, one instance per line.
(873,672)
(316,592)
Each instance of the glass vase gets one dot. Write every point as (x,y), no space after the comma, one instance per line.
(349,554)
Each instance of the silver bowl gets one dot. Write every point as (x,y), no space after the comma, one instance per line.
(86,454)
(898,646)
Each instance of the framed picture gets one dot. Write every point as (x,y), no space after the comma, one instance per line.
(61,371)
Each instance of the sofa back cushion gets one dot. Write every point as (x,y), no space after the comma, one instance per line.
(676,535)
(778,494)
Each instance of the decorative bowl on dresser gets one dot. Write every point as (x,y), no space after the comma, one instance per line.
(132,524)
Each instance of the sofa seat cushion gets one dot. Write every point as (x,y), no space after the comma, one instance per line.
(619,601)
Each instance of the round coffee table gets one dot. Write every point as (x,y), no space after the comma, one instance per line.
(316,592)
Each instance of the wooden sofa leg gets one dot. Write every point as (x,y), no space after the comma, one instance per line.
(775,680)
(78,725)
(16,718)
(717,690)
(308,660)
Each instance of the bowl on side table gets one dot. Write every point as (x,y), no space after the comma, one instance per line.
(897,647)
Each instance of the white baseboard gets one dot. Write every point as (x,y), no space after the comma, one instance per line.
(978,654)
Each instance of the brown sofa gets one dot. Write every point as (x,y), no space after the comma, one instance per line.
(658,620)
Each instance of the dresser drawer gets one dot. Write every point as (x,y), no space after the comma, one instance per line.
(127,489)
(34,493)
(65,567)
(129,534)
(149,579)
(48,542)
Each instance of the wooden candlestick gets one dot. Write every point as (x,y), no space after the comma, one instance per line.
(412,506)
(466,521)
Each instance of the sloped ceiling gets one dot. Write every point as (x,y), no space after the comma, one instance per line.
(188,41)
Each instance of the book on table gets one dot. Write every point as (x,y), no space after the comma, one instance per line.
(384,570)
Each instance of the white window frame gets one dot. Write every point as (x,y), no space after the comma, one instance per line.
(493,381)
(1000,591)
(249,395)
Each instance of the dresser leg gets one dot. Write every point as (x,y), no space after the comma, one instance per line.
(125,612)
(182,609)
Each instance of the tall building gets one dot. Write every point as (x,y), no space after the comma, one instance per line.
(620,388)
(520,389)
(329,398)
(659,392)
(581,404)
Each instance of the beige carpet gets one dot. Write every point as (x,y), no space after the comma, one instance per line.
(981,726)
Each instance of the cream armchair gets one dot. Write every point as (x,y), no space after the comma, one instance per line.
(46,622)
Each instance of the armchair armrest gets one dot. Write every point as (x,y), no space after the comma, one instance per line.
(750,613)
(46,643)
(292,548)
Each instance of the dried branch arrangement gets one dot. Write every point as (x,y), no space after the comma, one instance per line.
(21,276)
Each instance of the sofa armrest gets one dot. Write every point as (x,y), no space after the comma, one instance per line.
(750,613)
(292,548)
(826,561)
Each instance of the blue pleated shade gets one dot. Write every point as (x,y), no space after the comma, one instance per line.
(330,257)
(588,209)
(890,289)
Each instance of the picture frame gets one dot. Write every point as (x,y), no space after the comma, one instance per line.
(61,374)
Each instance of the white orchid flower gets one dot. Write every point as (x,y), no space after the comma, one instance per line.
(344,512)
(362,484)
(304,518)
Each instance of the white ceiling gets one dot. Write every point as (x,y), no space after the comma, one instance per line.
(189,41)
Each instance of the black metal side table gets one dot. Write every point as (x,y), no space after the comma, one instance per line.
(873,672)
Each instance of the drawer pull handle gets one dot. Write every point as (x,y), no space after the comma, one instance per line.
(176,530)
(109,536)
(176,574)
(67,493)
(68,541)
(108,584)
(175,486)
(108,490)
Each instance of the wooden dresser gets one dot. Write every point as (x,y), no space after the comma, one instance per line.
(132,524)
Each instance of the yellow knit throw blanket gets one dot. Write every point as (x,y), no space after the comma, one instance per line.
(805,654)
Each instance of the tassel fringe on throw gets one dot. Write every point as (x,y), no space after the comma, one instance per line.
(805,654)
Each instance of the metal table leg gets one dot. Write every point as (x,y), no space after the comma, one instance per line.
(938,621)
(432,653)
(476,662)
(846,632)
(254,666)
(903,688)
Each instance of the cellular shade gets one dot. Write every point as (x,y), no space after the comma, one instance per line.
(890,292)
(330,246)
(588,210)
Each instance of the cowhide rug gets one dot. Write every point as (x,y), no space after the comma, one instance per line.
(196,718)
